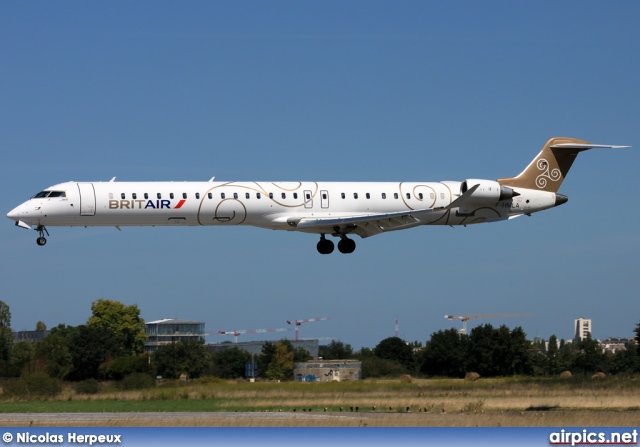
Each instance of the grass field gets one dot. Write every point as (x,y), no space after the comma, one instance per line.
(515,401)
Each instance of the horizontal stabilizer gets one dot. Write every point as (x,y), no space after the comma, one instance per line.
(584,147)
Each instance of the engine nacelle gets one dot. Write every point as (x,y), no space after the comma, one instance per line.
(487,191)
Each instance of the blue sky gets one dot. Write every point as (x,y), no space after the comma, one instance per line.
(339,91)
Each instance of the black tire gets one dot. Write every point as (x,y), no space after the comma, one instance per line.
(325,247)
(41,241)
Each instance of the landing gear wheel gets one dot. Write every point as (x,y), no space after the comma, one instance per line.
(324,246)
(346,245)
(41,230)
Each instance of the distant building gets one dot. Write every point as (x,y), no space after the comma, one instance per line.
(171,330)
(582,329)
(30,336)
(615,344)
(327,371)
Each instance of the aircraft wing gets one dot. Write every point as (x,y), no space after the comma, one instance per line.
(363,225)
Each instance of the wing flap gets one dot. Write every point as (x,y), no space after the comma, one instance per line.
(364,225)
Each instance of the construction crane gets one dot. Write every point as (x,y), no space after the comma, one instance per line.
(297,323)
(252,331)
(465,318)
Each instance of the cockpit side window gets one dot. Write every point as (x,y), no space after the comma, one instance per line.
(42,194)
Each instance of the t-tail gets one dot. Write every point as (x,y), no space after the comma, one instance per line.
(547,171)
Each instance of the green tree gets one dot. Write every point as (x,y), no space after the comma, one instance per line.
(40,326)
(566,356)
(266,355)
(553,352)
(54,352)
(498,352)
(445,354)
(626,361)
(90,346)
(394,348)
(336,350)
(281,365)
(301,355)
(123,320)
(590,358)
(120,367)
(189,357)
(22,358)
(6,338)
(230,363)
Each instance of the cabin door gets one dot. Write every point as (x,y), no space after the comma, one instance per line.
(87,199)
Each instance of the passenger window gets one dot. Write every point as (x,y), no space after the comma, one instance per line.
(420,195)
(37,196)
(442,195)
(210,195)
(395,195)
(146,195)
(384,195)
(122,196)
(271,195)
(324,196)
(295,195)
(235,195)
(432,196)
(308,196)
(197,195)
(355,195)
(258,195)
(284,195)
(222,195)
(159,196)
(368,196)
(184,195)
(343,195)
(246,195)
(408,195)
(134,195)
(171,195)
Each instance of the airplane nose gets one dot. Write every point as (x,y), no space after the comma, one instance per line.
(14,214)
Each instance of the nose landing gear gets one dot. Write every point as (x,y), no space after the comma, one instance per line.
(41,239)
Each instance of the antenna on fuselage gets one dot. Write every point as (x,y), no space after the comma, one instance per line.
(211,179)
(112,180)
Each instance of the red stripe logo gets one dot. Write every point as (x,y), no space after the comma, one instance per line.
(180,203)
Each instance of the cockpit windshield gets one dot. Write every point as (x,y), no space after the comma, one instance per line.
(44,194)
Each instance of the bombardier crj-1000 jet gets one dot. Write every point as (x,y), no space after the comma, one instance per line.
(339,209)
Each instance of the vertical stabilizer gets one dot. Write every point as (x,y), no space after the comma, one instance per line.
(547,171)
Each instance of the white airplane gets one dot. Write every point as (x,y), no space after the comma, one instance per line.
(339,209)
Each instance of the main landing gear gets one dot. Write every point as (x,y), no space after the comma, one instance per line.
(346,245)
(41,239)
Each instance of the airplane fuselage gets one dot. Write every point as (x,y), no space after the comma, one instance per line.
(273,205)
(339,209)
